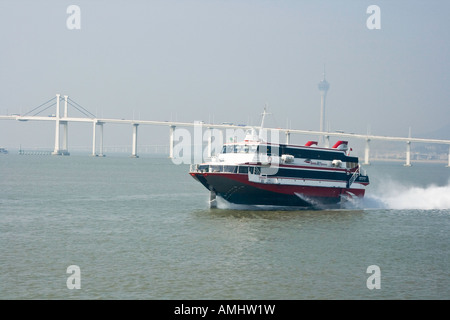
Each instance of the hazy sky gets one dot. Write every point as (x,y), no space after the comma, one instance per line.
(222,61)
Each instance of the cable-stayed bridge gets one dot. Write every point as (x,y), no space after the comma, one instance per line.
(62,120)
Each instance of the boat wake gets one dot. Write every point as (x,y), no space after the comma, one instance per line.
(390,195)
(394,195)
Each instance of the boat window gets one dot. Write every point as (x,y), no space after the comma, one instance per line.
(254,170)
(231,169)
(224,149)
(265,149)
(351,165)
(230,149)
(240,149)
(243,169)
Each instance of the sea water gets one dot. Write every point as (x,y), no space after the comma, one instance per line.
(142,229)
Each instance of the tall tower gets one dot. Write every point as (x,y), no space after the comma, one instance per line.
(323,88)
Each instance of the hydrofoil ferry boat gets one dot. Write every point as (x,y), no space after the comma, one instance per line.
(258,173)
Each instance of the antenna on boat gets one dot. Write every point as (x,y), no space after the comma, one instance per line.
(263,117)
(262,120)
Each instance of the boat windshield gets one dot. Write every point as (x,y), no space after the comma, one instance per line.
(238,148)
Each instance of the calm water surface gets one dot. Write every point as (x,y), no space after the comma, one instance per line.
(141,229)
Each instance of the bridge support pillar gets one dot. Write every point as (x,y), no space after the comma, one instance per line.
(65,142)
(171,142)
(56,150)
(101,140)
(94,139)
(134,146)
(366,152)
(408,154)
(94,147)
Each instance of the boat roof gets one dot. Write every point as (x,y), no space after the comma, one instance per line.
(252,142)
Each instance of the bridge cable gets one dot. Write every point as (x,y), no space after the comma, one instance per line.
(80,110)
(53,104)
(38,107)
(77,106)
